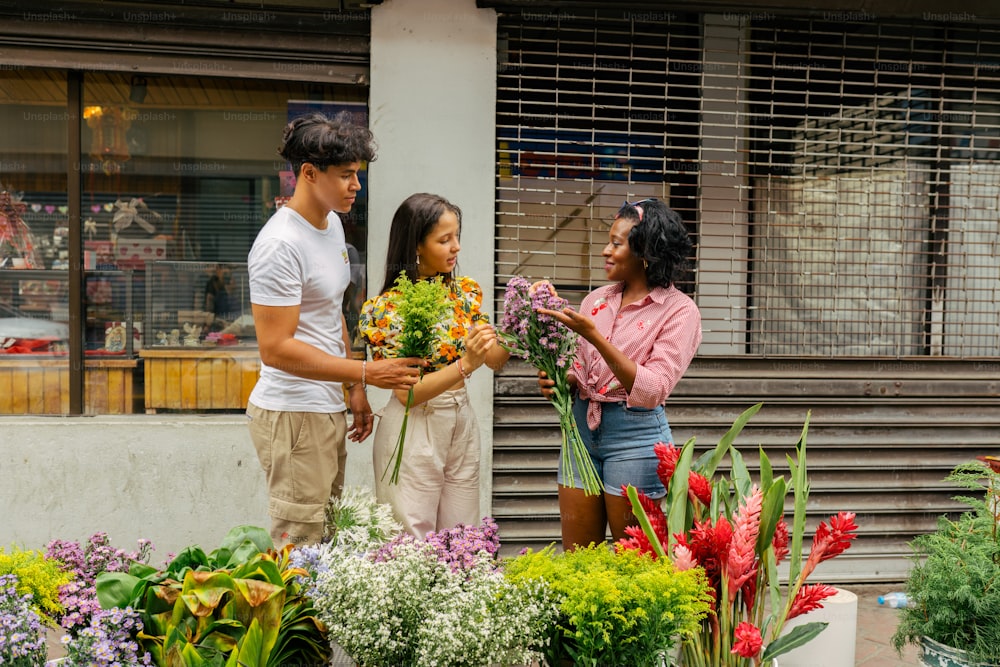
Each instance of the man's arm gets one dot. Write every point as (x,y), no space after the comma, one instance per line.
(280,349)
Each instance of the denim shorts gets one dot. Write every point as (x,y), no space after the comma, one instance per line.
(622,446)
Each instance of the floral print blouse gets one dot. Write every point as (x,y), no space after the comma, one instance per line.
(380,329)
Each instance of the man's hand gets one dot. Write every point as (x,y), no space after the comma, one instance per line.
(364,420)
(400,373)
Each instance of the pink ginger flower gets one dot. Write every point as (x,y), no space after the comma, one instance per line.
(741,562)
(810,597)
(830,542)
(683,558)
(748,640)
(780,540)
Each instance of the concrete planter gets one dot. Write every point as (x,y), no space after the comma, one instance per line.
(936,654)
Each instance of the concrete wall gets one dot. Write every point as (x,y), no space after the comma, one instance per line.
(187,479)
(176,480)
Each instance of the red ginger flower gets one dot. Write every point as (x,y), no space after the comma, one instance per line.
(741,560)
(748,640)
(636,536)
(668,455)
(780,540)
(810,597)
(830,542)
(709,545)
(699,488)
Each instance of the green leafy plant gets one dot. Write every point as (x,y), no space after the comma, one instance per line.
(39,575)
(954,583)
(734,528)
(615,608)
(421,306)
(242,604)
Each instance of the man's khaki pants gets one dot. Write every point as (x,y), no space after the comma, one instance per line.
(303,455)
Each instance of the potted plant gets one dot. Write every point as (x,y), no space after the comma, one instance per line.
(734,527)
(953,587)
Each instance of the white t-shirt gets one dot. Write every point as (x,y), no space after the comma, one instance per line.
(292,263)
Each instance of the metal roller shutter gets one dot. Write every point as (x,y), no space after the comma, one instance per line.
(841,177)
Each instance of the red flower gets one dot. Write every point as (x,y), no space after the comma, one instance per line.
(780,540)
(748,640)
(830,542)
(700,488)
(668,455)
(636,536)
(810,597)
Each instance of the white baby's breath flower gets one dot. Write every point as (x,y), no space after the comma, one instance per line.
(356,522)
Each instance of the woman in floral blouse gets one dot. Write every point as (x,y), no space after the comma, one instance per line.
(439,477)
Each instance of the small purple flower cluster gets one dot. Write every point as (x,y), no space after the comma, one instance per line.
(540,339)
(79,597)
(22,642)
(460,547)
(516,309)
(109,640)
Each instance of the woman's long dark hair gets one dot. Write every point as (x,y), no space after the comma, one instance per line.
(660,238)
(411,224)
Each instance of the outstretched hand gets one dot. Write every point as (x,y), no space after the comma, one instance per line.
(576,321)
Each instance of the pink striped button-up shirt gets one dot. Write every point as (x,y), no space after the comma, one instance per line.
(660,333)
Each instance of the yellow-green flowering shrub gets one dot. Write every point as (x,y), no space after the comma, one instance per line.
(39,576)
(621,608)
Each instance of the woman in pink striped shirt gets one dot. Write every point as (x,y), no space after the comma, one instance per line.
(637,337)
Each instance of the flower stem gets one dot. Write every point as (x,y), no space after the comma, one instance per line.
(574,452)
(398,450)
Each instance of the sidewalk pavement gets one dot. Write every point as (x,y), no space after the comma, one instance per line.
(875,627)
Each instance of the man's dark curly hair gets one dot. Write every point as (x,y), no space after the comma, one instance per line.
(322,141)
(660,238)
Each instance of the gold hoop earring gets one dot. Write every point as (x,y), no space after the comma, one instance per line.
(418,260)
(645,264)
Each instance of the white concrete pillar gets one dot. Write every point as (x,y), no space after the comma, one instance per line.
(433,112)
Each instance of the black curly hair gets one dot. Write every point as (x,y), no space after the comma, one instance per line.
(323,141)
(660,238)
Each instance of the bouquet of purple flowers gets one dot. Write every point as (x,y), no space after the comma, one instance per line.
(548,345)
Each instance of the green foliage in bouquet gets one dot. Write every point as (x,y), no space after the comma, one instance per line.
(420,307)
(615,608)
(240,605)
(954,583)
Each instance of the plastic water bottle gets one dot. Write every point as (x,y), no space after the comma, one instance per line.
(895,599)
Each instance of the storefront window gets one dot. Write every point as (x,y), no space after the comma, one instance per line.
(178,174)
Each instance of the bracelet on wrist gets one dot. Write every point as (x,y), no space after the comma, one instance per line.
(461,370)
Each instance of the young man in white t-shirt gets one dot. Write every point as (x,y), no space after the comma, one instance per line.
(299,269)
